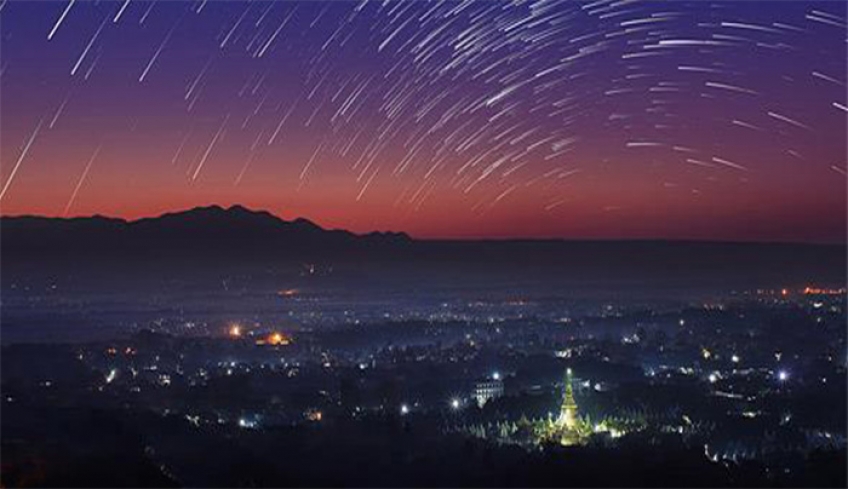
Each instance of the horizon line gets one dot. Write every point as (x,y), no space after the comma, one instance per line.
(432,239)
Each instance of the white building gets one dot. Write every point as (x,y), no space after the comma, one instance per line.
(487,390)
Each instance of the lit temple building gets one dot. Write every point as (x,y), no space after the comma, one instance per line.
(569,428)
(568,420)
(568,410)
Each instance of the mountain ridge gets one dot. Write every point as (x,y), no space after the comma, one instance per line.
(213,211)
(302,223)
(213,241)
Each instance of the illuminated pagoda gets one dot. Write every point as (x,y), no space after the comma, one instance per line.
(568,410)
(569,429)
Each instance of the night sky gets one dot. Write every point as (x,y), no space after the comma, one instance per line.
(544,118)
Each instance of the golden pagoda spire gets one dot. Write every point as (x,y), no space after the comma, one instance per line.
(568,410)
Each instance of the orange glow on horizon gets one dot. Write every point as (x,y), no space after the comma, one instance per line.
(275,338)
(823,291)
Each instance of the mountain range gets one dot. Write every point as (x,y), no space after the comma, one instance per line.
(206,239)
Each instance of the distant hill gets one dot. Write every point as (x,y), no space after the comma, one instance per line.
(213,240)
(199,232)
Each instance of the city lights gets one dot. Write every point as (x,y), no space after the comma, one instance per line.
(275,338)
(247,423)
(235,331)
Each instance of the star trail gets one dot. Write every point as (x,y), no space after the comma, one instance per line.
(543,118)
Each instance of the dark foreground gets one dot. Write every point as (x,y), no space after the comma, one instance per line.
(55,447)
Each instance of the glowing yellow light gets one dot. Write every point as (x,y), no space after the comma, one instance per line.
(235,331)
(274,339)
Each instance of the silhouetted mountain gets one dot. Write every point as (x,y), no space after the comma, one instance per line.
(214,240)
(200,231)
